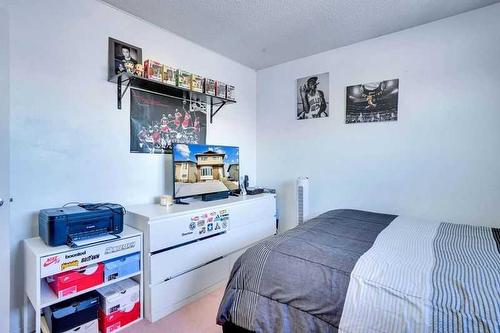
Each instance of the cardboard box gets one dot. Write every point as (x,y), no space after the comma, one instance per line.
(196,83)
(230,92)
(67,315)
(118,296)
(210,87)
(71,282)
(168,75)
(183,79)
(90,327)
(118,319)
(152,70)
(122,266)
(220,89)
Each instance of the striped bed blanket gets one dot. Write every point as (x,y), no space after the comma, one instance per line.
(424,276)
(353,271)
(297,281)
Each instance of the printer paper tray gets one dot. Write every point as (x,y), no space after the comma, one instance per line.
(88,241)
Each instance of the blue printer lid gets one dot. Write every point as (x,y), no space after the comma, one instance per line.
(63,211)
(77,212)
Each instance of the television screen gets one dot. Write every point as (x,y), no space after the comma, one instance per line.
(204,169)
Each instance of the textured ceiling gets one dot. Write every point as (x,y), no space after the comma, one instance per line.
(262,33)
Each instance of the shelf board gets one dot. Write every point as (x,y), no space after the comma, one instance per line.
(166,89)
(45,327)
(39,248)
(48,297)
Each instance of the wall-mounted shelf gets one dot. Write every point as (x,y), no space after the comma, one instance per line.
(215,103)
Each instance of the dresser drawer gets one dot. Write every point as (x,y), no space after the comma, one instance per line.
(167,264)
(172,294)
(173,231)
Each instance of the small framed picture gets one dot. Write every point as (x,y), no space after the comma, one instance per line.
(312,96)
(122,57)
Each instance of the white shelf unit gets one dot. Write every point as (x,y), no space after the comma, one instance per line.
(39,295)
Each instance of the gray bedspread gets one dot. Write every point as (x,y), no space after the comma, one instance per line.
(424,276)
(297,281)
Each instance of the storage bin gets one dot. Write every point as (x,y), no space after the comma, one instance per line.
(90,327)
(122,266)
(67,283)
(120,318)
(119,295)
(67,315)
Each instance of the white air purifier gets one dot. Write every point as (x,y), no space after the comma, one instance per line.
(302,199)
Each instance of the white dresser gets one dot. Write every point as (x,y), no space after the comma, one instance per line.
(189,250)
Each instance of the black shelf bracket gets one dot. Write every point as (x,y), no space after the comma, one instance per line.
(119,93)
(212,113)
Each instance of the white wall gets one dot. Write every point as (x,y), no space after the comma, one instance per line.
(439,160)
(68,140)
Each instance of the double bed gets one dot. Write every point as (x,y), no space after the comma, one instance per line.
(356,271)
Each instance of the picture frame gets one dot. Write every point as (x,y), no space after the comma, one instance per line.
(122,57)
(372,102)
(313,99)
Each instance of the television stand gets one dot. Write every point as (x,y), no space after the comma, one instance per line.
(180,202)
(215,196)
(189,250)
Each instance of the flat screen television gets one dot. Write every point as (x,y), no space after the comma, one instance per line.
(204,169)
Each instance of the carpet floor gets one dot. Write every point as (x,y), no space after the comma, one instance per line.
(196,317)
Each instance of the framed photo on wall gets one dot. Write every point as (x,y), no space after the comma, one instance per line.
(122,57)
(312,96)
(157,121)
(372,102)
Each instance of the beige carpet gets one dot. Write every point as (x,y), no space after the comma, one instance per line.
(196,317)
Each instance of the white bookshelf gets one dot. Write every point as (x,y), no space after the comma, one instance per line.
(39,295)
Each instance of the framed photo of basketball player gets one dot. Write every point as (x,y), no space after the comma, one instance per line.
(372,102)
(122,57)
(312,96)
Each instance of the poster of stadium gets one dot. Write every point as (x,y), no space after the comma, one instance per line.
(372,102)
(157,121)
